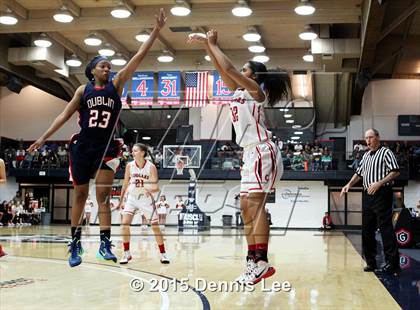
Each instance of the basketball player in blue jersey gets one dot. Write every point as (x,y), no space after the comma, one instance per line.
(94,151)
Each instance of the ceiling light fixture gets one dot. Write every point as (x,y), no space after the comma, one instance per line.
(107,50)
(207,57)
(93,40)
(118,60)
(142,36)
(120,11)
(298,132)
(241,9)
(181,8)
(308,57)
(146,138)
(165,57)
(296,126)
(252,35)
(257,48)
(261,58)
(305,8)
(308,34)
(63,16)
(73,61)
(42,41)
(8,18)
(289,121)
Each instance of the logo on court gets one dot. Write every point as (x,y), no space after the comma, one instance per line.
(405,261)
(403,237)
(17,282)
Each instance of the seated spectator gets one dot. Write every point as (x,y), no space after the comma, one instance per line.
(317,162)
(298,147)
(357,157)
(287,161)
(27,161)
(297,161)
(326,159)
(20,156)
(327,223)
(62,156)
(18,212)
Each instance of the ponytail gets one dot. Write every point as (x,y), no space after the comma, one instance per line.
(275,82)
(277,86)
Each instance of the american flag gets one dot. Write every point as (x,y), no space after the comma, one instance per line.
(196,92)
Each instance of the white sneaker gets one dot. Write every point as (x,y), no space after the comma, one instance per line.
(164,258)
(126,258)
(263,270)
(247,276)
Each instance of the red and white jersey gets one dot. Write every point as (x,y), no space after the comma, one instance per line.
(248,119)
(139,178)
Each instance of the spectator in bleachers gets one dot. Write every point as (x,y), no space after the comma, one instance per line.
(20,156)
(326,159)
(62,156)
(317,159)
(27,161)
(297,161)
(357,156)
(298,147)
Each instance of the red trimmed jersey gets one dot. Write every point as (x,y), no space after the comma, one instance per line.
(248,119)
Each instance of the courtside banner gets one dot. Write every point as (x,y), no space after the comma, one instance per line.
(143,87)
(221,93)
(169,83)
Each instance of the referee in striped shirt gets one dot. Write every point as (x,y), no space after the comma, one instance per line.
(378,168)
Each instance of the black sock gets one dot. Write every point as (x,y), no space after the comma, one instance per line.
(251,255)
(261,254)
(106,233)
(76,233)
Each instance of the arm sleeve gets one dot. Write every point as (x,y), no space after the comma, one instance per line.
(391,161)
(359,170)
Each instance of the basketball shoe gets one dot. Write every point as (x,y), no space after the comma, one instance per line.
(164,258)
(105,250)
(126,258)
(247,276)
(262,271)
(76,251)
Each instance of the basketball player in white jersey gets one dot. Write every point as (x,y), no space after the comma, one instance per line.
(255,87)
(140,184)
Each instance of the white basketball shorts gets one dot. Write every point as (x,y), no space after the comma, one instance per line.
(262,168)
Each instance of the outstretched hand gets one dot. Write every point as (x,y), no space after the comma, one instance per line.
(196,38)
(212,36)
(36,145)
(161,19)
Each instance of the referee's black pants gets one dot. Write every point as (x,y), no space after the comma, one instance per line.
(377,213)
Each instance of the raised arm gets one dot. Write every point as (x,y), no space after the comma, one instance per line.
(125,74)
(226,65)
(226,79)
(60,120)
